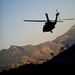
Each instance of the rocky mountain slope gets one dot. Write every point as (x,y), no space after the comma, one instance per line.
(67,38)
(26,54)
(20,55)
(16,54)
(62,63)
(66,57)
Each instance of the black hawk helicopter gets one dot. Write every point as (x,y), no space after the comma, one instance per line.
(49,24)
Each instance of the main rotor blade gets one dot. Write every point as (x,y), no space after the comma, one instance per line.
(57,10)
(41,20)
(57,21)
(35,20)
(47,16)
(68,19)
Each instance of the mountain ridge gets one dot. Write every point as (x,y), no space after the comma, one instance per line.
(21,55)
(67,38)
(63,62)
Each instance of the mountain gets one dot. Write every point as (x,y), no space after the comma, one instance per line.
(16,56)
(41,51)
(66,57)
(67,38)
(62,63)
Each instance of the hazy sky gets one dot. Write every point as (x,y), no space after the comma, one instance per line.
(13,31)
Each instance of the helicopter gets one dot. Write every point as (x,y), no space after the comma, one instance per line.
(49,24)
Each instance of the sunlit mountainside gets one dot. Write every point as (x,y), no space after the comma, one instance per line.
(67,38)
(63,62)
(16,56)
(38,54)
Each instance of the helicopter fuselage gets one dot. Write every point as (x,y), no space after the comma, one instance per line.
(49,26)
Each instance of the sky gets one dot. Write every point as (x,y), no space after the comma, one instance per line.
(13,31)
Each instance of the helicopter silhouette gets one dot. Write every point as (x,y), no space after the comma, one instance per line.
(49,24)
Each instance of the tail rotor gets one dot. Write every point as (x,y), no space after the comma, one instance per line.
(58,13)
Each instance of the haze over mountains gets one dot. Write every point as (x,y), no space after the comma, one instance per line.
(20,55)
